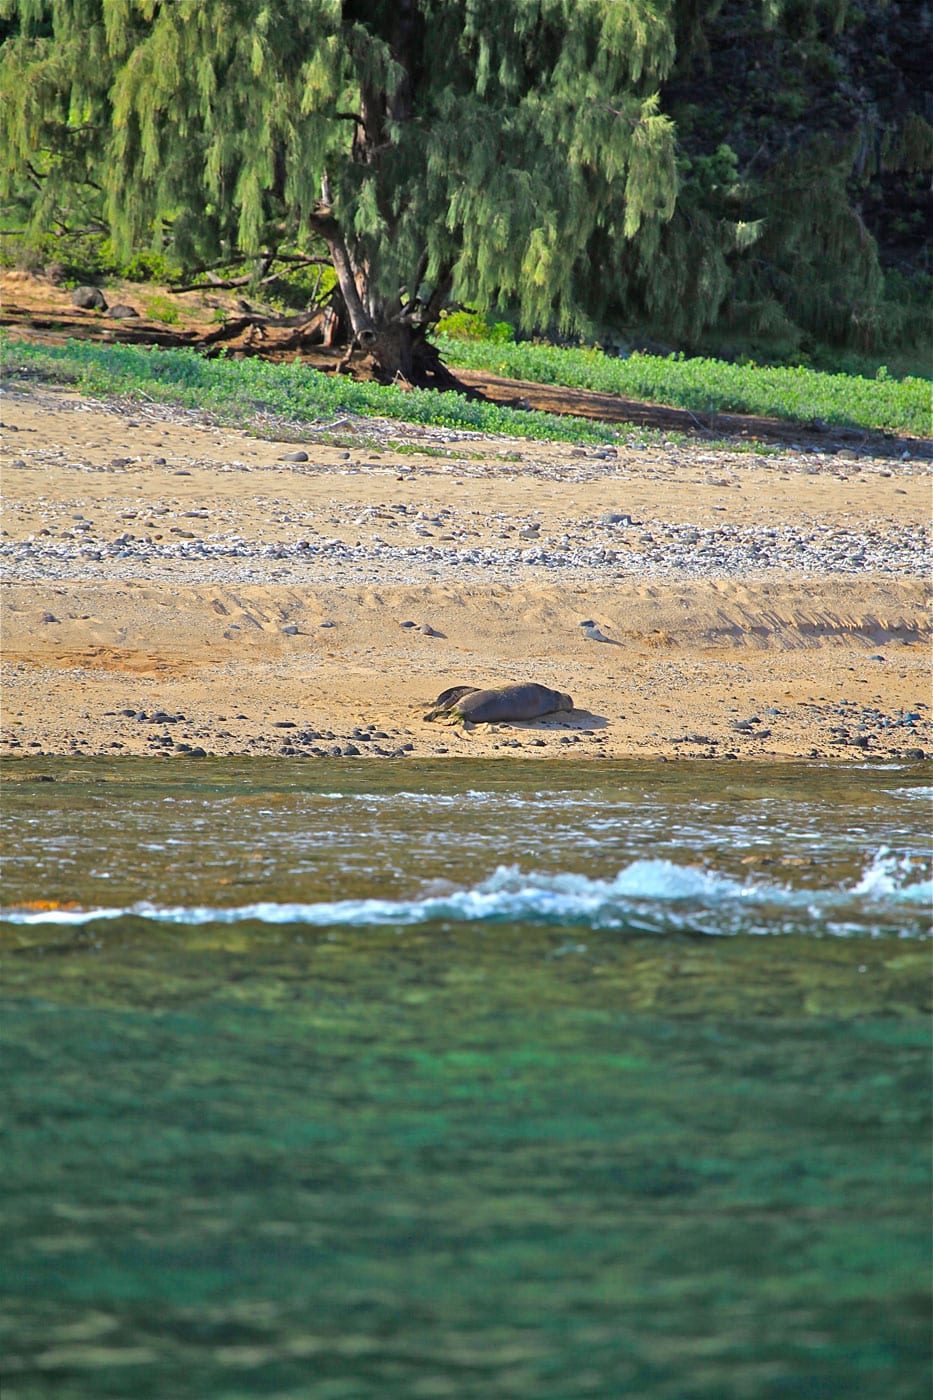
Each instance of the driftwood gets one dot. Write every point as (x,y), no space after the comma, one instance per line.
(281,333)
(268,336)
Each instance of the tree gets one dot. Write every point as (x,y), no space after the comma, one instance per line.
(805,181)
(442,150)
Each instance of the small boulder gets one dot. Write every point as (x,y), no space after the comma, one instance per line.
(121,312)
(89,298)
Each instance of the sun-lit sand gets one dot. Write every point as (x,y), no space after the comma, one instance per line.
(183,569)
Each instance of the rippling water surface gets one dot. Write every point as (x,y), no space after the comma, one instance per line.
(467,1080)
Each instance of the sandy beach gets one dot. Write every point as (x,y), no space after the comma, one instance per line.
(174,587)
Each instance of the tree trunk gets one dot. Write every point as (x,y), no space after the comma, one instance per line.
(390,332)
(399,353)
(393,352)
(348,280)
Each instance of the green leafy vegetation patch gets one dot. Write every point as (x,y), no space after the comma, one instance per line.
(711,386)
(237,389)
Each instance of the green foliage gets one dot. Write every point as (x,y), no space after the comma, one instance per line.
(475,148)
(237,391)
(714,386)
(817,107)
(471,325)
(159,308)
(298,285)
(744,175)
(85,256)
(146,266)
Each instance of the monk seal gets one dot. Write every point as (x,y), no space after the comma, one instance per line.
(507,702)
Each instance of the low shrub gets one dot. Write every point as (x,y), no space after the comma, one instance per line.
(471,325)
(235,389)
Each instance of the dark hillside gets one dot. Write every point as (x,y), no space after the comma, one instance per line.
(807,154)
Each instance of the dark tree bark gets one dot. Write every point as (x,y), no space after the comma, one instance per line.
(390,333)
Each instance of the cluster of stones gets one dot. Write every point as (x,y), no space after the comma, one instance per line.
(93,299)
(585,547)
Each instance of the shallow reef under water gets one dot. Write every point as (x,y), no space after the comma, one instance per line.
(465,1080)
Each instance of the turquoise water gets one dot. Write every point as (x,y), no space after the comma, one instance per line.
(472,1080)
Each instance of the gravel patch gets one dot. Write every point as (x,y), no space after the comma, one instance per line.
(580,548)
(58,540)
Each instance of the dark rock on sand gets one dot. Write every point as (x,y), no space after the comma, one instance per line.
(89,299)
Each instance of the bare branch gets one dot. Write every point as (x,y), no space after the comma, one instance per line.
(312,259)
(269,274)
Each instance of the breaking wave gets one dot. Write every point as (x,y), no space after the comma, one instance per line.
(649,895)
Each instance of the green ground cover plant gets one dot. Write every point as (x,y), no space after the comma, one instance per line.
(238,390)
(160,308)
(711,386)
(234,389)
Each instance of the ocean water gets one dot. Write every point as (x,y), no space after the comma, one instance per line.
(345,1080)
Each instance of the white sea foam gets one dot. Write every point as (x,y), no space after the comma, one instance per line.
(890,877)
(922,794)
(647,893)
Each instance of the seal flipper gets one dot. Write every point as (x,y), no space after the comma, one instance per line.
(447,699)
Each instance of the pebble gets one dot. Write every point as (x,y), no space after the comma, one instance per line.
(577,547)
(665,551)
(89,298)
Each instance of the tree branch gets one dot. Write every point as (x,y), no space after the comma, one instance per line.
(269,261)
(435,306)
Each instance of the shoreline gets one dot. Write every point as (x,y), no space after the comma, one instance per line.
(172,585)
